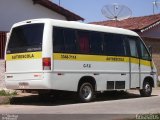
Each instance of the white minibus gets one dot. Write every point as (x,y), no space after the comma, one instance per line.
(55,55)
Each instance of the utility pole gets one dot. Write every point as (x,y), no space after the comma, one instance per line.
(59,2)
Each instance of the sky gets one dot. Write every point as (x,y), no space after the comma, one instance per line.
(90,10)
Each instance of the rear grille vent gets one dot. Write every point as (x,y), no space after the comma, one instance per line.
(120,85)
(111,85)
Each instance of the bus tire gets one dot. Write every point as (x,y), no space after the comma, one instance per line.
(86,92)
(147,89)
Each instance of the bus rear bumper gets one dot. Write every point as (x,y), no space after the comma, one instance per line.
(41,81)
(46,80)
(22,85)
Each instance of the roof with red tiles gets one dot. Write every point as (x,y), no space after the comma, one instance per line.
(52,6)
(141,24)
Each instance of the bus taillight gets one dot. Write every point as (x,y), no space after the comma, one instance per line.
(46,63)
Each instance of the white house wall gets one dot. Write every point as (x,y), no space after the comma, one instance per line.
(2,70)
(12,11)
(152,32)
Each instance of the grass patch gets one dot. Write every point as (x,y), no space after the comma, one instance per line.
(6,96)
(7,93)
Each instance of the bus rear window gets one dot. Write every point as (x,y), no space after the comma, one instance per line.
(26,38)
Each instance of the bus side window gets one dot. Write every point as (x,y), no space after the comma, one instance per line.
(70,40)
(58,40)
(144,53)
(83,42)
(133,47)
(114,45)
(96,43)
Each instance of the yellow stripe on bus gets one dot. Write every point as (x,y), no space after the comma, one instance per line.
(142,62)
(98,58)
(76,57)
(24,56)
(134,60)
(80,57)
(145,62)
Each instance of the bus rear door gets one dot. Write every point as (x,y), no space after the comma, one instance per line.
(24,52)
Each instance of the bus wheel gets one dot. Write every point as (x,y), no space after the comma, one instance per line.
(147,89)
(86,92)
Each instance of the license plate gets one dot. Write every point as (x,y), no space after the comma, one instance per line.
(23,85)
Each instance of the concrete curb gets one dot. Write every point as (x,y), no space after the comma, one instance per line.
(5,99)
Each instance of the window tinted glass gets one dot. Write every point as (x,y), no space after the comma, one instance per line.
(70,40)
(96,42)
(26,37)
(133,47)
(58,40)
(64,40)
(144,53)
(83,41)
(114,45)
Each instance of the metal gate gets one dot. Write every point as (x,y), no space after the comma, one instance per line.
(2,44)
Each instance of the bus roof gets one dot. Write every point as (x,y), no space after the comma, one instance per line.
(79,25)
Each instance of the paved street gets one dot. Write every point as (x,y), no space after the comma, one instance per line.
(110,104)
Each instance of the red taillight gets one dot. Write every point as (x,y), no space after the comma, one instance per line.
(46,63)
